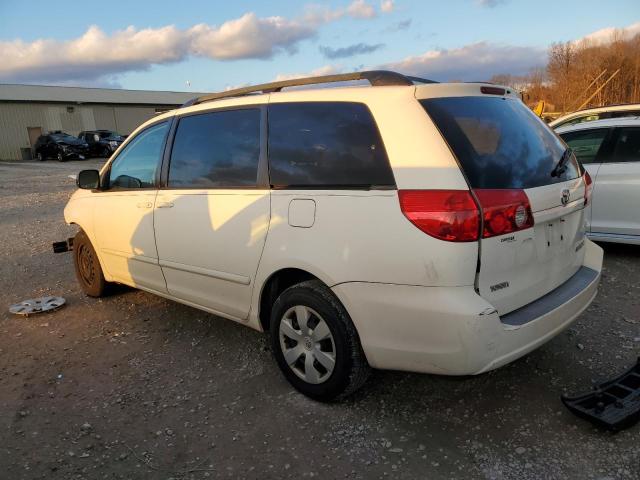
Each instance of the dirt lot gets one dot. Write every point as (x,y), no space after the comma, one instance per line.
(134,386)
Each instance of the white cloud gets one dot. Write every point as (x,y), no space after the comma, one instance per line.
(386,6)
(92,55)
(607,35)
(325,70)
(247,37)
(474,62)
(361,9)
(96,57)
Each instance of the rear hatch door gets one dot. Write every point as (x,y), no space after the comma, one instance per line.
(502,147)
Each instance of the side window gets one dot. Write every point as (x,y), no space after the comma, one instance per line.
(216,150)
(627,146)
(328,144)
(136,165)
(585,143)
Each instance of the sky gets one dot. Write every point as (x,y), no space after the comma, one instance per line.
(215,45)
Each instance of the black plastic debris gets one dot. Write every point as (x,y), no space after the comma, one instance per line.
(61,247)
(613,405)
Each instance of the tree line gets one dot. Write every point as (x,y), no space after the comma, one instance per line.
(583,74)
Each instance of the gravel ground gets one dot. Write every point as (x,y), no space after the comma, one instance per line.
(134,386)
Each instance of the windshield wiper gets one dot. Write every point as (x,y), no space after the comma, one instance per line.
(562,163)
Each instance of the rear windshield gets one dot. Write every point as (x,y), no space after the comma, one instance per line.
(500,143)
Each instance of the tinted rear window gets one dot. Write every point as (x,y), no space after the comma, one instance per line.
(326,144)
(499,143)
(627,148)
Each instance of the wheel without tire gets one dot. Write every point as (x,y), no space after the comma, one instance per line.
(315,343)
(87,266)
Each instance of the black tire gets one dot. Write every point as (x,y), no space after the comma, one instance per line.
(88,270)
(40,157)
(350,370)
(59,157)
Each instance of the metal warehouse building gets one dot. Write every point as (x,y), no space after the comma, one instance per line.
(27,111)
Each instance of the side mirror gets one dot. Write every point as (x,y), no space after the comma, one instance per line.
(88,179)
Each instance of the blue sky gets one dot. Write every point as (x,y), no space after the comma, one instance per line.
(218,44)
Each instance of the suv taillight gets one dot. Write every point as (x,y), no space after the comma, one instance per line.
(504,211)
(588,188)
(450,215)
(453,215)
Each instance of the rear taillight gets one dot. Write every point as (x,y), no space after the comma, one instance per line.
(450,215)
(504,211)
(588,188)
(453,215)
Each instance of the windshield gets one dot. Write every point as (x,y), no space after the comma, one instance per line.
(500,143)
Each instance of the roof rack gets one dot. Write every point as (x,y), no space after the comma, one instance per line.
(376,78)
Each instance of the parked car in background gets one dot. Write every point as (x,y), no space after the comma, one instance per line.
(102,143)
(598,113)
(610,151)
(61,146)
(449,242)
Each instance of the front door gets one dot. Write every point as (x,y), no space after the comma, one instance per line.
(212,219)
(124,211)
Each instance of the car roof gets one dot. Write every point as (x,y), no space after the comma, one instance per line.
(604,123)
(609,108)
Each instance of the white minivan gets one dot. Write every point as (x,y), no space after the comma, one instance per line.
(405,224)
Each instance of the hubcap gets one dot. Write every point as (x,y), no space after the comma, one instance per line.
(307,344)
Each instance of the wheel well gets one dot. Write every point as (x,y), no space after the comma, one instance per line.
(275,285)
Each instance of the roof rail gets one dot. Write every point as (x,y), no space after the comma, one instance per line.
(376,78)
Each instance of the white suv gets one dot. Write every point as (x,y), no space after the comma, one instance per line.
(405,225)
(610,152)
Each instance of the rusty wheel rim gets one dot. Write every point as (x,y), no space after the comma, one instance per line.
(86,264)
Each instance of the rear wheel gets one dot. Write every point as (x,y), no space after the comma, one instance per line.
(315,343)
(88,270)
(39,157)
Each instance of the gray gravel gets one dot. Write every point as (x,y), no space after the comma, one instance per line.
(134,386)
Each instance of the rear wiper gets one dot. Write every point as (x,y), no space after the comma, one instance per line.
(562,163)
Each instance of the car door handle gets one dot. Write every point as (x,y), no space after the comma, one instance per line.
(164,204)
(144,205)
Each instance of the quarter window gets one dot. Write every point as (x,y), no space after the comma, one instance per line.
(585,143)
(326,144)
(627,147)
(137,164)
(216,150)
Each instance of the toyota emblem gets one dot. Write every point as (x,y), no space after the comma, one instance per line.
(565,196)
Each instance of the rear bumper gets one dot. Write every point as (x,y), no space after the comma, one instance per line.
(452,330)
